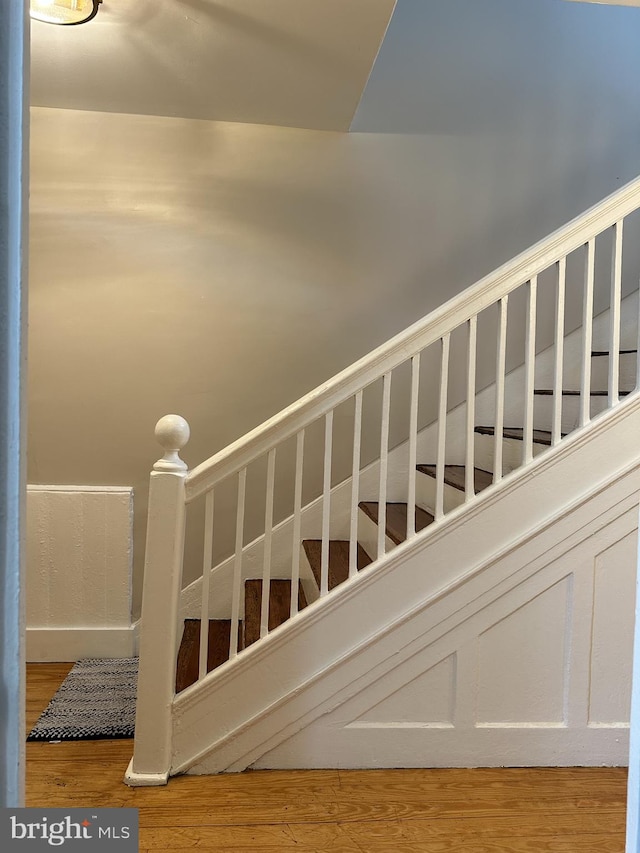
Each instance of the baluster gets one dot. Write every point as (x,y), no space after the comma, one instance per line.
(268,536)
(500,370)
(637,387)
(355,485)
(587,326)
(206,577)
(384,452)
(326,504)
(530,371)
(413,446)
(556,432)
(297,522)
(614,315)
(442,426)
(237,567)
(469,473)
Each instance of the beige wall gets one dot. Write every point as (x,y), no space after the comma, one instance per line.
(222,270)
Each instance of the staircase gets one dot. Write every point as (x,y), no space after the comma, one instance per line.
(437,540)
(395,527)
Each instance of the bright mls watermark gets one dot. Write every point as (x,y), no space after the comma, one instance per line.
(103,830)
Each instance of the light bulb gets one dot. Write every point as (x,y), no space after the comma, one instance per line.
(64,11)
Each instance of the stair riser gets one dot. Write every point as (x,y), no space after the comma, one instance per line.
(600,372)
(511,452)
(570,420)
(426,494)
(368,536)
(221,589)
(278,610)
(309,583)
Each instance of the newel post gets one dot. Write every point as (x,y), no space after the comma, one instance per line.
(151,760)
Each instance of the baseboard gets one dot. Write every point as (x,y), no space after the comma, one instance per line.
(71,644)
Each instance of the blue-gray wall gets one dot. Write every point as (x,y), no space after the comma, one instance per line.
(547,91)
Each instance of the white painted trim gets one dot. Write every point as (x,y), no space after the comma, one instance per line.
(146,780)
(38,487)
(71,644)
(136,637)
(633,781)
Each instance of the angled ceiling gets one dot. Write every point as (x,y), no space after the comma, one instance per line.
(539,68)
(297,63)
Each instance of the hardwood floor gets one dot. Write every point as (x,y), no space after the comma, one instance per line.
(563,810)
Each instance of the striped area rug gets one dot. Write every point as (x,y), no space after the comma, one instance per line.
(96,701)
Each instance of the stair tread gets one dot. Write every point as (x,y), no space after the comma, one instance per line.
(540,436)
(338,559)
(188,665)
(454,475)
(396,521)
(606,352)
(549,392)
(279,605)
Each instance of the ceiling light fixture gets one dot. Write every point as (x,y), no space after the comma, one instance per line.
(64,11)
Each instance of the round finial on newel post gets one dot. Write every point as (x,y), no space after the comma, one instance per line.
(172,433)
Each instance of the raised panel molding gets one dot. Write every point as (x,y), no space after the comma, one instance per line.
(538,675)
(426,701)
(614,580)
(522,662)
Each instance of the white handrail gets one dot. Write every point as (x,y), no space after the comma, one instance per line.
(420,335)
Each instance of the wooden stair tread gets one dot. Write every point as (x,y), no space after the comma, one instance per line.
(338,559)
(597,353)
(540,436)
(396,526)
(188,665)
(279,605)
(454,475)
(549,392)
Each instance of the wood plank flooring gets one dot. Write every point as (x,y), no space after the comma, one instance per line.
(554,810)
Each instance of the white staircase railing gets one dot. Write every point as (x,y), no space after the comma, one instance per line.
(386,399)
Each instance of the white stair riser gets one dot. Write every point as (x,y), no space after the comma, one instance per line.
(511,452)
(426,494)
(368,536)
(221,588)
(600,372)
(307,578)
(570,419)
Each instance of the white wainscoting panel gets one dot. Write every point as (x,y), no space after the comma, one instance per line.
(522,662)
(427,701)
(79,561)
(540,674)
(612,631)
